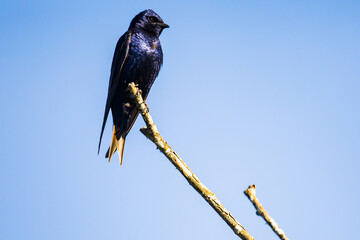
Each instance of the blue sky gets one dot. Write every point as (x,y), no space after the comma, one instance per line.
(251,92)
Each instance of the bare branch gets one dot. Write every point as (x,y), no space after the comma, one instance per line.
(250,193)
(152,133)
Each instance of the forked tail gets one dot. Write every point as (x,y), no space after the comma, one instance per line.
(116,144)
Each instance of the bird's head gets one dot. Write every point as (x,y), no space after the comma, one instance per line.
(149,21)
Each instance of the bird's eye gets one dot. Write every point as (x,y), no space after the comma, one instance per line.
(153,19)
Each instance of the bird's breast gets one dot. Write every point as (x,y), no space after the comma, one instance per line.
(148,47)
(144,60)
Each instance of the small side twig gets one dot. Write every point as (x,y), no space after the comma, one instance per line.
(251,194)
(153,134)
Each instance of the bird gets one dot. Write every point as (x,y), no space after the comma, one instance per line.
(138,58)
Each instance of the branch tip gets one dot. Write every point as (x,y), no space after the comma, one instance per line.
(260,211)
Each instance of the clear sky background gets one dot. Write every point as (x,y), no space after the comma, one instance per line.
(251,92)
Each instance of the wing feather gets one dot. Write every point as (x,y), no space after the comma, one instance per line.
(120,55)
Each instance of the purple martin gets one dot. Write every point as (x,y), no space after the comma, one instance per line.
(138,58)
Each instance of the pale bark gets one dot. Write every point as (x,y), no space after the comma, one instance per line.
(251,194)
(153,134)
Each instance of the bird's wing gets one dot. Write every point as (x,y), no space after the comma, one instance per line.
(120,55)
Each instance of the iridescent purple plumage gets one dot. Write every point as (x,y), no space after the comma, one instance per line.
(138,58)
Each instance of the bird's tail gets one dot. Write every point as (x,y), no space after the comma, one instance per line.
(116,144)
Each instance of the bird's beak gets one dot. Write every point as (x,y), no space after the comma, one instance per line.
(163,25)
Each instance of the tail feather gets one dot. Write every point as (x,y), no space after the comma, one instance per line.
(116,144)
